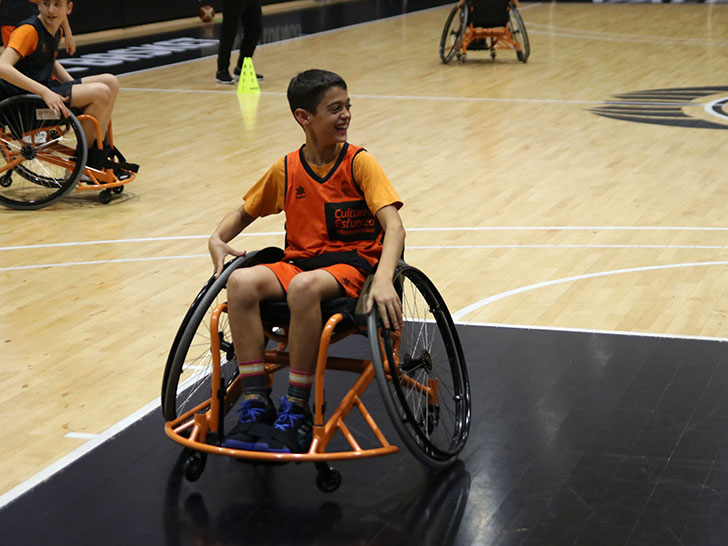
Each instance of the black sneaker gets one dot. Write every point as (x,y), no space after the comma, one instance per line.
(237,70)
(256,417)
(223,76)
(292,431)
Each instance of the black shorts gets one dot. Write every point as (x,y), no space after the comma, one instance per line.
(63,89)
(7,89)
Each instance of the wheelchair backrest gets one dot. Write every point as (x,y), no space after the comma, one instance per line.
(488,13)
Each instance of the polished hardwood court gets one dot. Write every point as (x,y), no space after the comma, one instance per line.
(525,205)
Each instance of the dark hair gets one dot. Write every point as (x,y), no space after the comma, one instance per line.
(307,88)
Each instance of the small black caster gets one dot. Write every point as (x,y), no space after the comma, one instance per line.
(105,196)
(328,478)
(118,189)
(194,465)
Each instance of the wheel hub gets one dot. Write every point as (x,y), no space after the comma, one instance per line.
(27,151)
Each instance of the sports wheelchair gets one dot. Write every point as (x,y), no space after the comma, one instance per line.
(44,156)
(420,370)
(484,25)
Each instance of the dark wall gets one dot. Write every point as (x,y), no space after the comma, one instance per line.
(90,16)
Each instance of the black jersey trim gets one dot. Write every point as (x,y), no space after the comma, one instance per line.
(312,174)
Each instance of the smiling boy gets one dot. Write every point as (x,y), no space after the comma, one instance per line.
(28,64)
(342,220)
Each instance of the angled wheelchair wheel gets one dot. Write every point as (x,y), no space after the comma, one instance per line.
(421,372)
(42,155)
(452,34)
(188,373)
(518,30)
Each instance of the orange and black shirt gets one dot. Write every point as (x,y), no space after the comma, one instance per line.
(37,49)
(330,209)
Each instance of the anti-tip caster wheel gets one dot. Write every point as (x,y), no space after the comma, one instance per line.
(328,478)
(105,196)
(194,465)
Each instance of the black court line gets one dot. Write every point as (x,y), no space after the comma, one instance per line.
(577,439)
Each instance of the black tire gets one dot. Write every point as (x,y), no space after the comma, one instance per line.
(52,153)
(187,375)
(105,196)
(429,350)
(518,31)
(452,33)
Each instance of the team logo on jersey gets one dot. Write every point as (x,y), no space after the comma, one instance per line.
(351,221)
(300,192)
(346,188)
(692,107)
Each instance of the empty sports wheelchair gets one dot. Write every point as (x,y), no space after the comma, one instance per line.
(420,370)
(484,25)
(43,156)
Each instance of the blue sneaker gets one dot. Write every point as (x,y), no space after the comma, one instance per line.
(292,431)
(256,417)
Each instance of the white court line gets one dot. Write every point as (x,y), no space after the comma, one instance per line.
(100,262)
(132,240)
(82,436)
(447,99)
(411,229)
(486,301)
(409,247)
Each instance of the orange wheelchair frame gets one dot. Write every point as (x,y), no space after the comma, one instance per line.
(459,34)
(415,381)
(44,156)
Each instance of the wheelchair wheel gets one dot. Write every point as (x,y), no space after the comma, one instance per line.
(518,30)
(188,373)
(43,156)
(452,34)
(425,385)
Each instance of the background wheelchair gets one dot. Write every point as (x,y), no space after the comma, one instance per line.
(43,156)
(484,25)
(420,370)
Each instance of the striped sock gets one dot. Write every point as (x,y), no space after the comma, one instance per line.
(299,386)
(252,373)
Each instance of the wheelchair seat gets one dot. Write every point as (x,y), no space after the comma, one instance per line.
(489,13)
(278,314)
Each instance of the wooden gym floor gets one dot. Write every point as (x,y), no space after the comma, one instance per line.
(527,209)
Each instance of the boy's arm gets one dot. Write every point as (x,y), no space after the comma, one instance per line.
(382,291)
(60,73)
(68,39)
(232,224)
(8,72)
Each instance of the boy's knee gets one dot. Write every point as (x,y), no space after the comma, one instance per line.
(112,82)
(303,292)
(102,92)
(240,289)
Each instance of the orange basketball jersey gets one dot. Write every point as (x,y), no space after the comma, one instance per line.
(329,215)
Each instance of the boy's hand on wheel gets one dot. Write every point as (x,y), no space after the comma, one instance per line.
(218,251)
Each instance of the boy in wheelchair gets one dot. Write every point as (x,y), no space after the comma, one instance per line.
(342,221)
(28,65)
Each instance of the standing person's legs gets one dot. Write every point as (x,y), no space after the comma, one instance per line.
(231,12)
(252,19)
